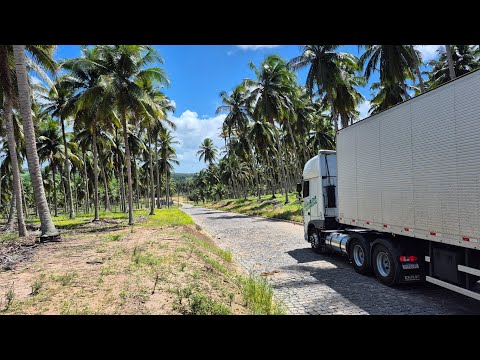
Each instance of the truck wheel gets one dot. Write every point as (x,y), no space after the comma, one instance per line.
(360,256)
(385,265)
(315,242)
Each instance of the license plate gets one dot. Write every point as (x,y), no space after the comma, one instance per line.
(410,266)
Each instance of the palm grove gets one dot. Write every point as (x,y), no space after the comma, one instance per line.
(119,152)
(273,125)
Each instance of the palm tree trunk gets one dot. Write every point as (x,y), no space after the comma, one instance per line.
(62,183)
(105,185)
(451,68)
(120,174)
(12,145)
(67,170)
(157,170)
(55,209)
(420,79)
(24,199)
(166,186)
(129,169)
(137,193)
(255,170)
(47,227)
(152,182)
(87,193)
(11,214)
(334,116)
(281,164)
(95,173)
(295,153)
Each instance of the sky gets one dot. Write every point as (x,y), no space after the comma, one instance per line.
(198,73)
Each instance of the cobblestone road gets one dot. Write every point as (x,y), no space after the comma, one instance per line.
(308,283)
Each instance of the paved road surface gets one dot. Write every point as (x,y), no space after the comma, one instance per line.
(310,283)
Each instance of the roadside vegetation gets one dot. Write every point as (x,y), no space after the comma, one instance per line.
(268,207)
(166,265)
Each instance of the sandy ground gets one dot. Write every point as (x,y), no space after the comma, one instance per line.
(110,269)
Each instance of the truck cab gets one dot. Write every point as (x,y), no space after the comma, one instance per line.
(319,192)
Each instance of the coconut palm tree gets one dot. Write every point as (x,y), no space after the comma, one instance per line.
(464,57)
(8,94)
(168,158)
(43,55)
(326,66)
(451,67)
(56,104)
(121,67)
(51,149)
(270,96)
(395,63)
(208,151)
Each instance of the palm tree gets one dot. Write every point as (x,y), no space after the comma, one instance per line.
(169,158)
(208,151)
(43,55)
(270,96)
(326,66)
(56,104)
(451,68)
(123,66)
(153,119)
(7,90)
(51,149)
(465,59)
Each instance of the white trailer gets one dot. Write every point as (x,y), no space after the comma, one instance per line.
(401,195)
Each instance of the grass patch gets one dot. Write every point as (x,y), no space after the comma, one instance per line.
(113,237)
(258,295)
(268,207)
(224,254)
(65,279)
(171,217)
(8,238)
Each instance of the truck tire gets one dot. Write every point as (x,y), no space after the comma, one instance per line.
(314,239)
(359,251)
(385,265)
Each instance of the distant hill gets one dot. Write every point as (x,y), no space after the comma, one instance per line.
(182,176)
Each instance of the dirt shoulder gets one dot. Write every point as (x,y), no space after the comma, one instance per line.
(112,269)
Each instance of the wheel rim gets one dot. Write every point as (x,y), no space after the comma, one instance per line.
(314,240)
(383,264)
(358,255)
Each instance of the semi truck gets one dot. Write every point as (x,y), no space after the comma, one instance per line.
(400,196)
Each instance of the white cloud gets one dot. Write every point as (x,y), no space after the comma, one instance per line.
(173,103)
(191,130)
(363,108)
(256,47)
(428,52)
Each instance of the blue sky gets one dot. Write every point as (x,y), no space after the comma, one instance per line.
(199,72)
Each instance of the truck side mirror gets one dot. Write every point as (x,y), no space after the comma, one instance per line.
(299,188)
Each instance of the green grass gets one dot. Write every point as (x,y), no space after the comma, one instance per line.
(65,279)
(62,221)
(274,208)
(258,294)
(164,217)
(113,237)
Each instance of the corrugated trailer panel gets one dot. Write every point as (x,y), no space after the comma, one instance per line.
(397,182)
(467,104)
(369,206)
(434,167)
(416,167)
(347,198)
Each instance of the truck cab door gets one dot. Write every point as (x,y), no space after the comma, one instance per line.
(306,209)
